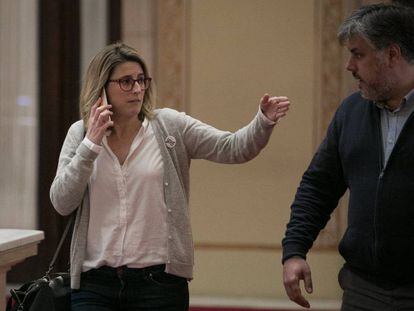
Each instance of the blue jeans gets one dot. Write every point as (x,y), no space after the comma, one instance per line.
(127,289)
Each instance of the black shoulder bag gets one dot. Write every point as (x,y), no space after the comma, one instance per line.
(51,292)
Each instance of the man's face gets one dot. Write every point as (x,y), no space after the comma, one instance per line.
(370,67)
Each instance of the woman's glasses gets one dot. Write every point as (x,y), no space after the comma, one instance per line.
(127,84)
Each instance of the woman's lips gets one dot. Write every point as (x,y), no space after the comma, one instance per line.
(134,101)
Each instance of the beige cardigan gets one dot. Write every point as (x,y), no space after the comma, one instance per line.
(180,138)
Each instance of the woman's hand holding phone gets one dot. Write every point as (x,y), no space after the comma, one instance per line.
(100,121)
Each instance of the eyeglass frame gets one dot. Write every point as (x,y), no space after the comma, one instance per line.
(132,85)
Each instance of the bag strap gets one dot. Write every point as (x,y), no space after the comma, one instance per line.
(65,233)
(62,239)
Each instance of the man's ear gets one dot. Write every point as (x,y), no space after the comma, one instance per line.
(394,54)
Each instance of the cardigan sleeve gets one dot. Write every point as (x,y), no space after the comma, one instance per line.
(73,172)
(320,189)
(203,141)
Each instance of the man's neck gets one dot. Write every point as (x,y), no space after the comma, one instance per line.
(405,85)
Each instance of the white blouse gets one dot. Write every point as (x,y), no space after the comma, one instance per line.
(127,223)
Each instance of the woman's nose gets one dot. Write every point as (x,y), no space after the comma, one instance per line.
(136,88)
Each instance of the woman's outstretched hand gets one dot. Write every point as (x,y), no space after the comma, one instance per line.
(99,121)
(274,108)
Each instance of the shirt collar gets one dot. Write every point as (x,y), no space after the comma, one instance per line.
(145,123)
(407,100)
(144,126)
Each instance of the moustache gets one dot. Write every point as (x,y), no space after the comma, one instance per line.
(356,76)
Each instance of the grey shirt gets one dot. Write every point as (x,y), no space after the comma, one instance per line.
(392,123)
(180,138)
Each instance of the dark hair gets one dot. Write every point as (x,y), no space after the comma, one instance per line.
(382,25)
(407,3)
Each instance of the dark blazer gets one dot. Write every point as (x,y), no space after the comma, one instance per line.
(379,240)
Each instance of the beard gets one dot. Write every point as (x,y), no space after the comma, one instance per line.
(380,87)
(379,92)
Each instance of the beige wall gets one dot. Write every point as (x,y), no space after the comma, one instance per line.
(224,55)
(240,49)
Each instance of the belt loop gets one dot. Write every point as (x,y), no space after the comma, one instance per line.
(119,271)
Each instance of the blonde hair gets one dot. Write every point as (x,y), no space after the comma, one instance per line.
(98,73)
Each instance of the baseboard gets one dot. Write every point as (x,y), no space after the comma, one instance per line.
(246,303)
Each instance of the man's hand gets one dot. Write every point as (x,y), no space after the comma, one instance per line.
(294,270)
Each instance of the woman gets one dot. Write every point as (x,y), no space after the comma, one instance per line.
(124,169)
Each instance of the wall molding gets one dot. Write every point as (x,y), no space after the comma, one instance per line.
(252,247)
(172,53)
(332,84)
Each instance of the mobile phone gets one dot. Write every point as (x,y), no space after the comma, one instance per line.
(105,102)
(104,98)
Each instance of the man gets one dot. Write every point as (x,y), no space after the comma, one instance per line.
(368,149)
